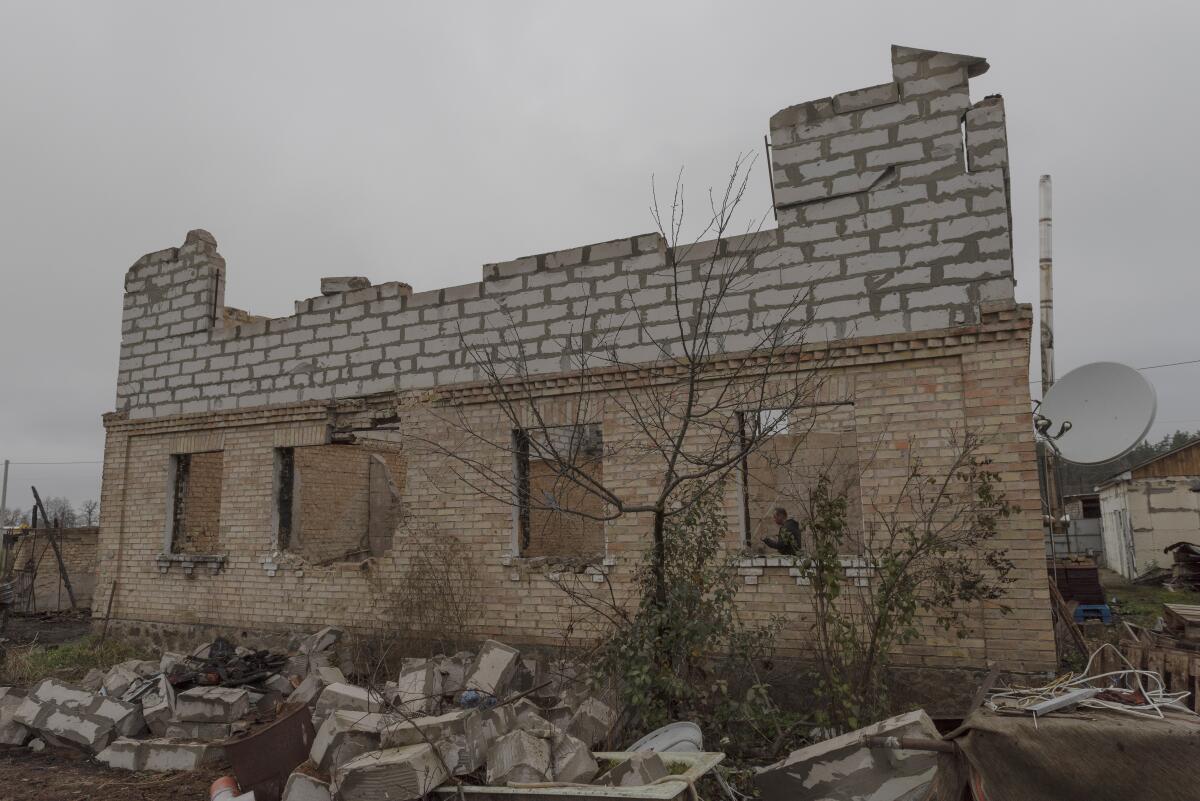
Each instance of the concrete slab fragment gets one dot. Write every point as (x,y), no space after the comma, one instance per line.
(160,755)
(345,696)
(305,787)
(418,689)
(843,768)
(343,735)
(571,760)
(202,732)
(158,707)
(458,735)
(493,668)
(592,722)
(519,757)
(394,774)
(11,732)
(211,704)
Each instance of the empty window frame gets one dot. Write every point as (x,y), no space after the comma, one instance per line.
(336,502)
(195,502)
(558,471)
(797,449)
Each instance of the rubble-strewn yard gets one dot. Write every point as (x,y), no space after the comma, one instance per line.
(304,724)
(62,774)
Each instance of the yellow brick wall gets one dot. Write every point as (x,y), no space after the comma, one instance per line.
(34,557)
(909,395)
(197,519)
(333,498)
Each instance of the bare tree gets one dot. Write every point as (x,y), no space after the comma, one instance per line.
(89,511)
(13,517)
(61,512)
(681,375)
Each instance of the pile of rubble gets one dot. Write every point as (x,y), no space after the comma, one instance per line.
(490,717)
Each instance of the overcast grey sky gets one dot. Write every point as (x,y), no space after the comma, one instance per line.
(415,142)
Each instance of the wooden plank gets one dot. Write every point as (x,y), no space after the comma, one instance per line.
(1178,670)
(62,567)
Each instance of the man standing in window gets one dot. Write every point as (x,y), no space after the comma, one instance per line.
(788,542)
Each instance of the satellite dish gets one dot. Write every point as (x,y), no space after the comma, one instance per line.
(1110,408)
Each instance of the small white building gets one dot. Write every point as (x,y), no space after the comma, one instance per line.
(1150,506)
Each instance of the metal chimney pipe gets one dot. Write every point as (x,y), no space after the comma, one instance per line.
(1046,274)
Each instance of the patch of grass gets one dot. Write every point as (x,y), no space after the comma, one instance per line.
(24,665)
(1141,605)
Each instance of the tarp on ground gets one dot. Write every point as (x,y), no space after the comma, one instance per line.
(1086,755)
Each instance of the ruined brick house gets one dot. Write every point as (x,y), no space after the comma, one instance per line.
(233,498)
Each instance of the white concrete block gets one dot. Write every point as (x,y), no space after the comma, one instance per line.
(519,757)
(592,722)
(303,787)
(212,704)
(394,774)
(345,696)
(493,668)
(572,760)
(344,735)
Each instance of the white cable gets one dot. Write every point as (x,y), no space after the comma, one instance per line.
(1157,697)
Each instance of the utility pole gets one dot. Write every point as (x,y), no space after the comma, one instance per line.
(4,491)
(1046,346)
(1046,273)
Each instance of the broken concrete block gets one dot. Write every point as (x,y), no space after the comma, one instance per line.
(343,735)
(203,732)
(418,689)
(559,715)
(592,722)
(345,696)
(316,651)
(571,760)
(642,768)
(279,683)
(493,668)
(308,691)
(122,675)
(93,681)
(529,716)
(11,732)
(335,285)
(526,675)
(453,671)
(59,693)
(62,713)
(458,735)
(158,707)
(330,675)
(169,660)
(118,679)
(519,757)
(823,770)
(67,724)
(394,774)
(211,704)
(306,787)
(126,718)
(495,723)
(160,755)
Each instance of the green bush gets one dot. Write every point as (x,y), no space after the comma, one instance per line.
(672,660)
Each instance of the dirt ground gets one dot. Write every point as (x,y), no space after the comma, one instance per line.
(47,628)
(61,774)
